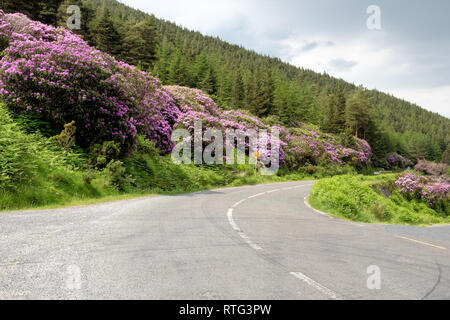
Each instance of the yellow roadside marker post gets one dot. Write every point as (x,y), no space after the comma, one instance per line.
(256,155)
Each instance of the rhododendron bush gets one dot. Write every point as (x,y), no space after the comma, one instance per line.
(196,106)
(432,168)
(298,146)
(54,73)
(309,146)
(396,160)
(434,190)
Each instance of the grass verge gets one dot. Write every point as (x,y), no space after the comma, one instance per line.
(361,199)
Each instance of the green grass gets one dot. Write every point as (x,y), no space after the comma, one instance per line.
(358,198)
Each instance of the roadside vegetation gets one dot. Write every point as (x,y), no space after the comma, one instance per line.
(36,171)
(408,198)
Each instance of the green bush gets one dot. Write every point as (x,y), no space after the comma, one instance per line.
(102,154)
(358,198)
(66,138)
(36,171)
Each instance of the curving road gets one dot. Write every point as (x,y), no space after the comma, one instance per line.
(260,242)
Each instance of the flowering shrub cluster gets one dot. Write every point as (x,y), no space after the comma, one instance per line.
(309,146)
(433,190)
(55,73)
(195,106)
(432,168)
(396,160)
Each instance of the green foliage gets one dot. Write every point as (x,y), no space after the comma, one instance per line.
(371,200)
(446,156)
(107,37)
(16,153)
(36,171)
(32,122)
(140,44)
(117,175)
(44,11)
(66,138)
(102,154)
(358,114)
(334,115)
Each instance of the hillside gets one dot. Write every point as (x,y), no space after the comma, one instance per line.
(79,124)
(242,79)
(298,95)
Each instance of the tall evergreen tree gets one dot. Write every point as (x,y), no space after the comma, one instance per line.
(163,63)
(359,114)
(178,69)
(341,102)
(334,113)
(107,37)
(263,91)
(238,90)
(48,10)
(147,31)
(134,47)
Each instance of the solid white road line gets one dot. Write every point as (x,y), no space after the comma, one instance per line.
(257,195)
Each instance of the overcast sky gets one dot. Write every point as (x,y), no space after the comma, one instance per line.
(409,57)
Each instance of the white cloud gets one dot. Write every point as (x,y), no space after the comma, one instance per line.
(434,99)
(404,58)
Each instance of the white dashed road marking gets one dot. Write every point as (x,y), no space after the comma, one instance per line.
(316,285)
(256,247)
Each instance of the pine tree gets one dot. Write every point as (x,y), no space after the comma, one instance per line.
(178,70)
(29,8)
(333,118)
(203,75)
(163,63)
(147,31)
(134,46)
(263,89)
(329,116)
(341,102)
(306,103)
(47,11)
(358,114)
(238,91)
(107,37)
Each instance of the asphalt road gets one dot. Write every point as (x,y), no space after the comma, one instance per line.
(260,242)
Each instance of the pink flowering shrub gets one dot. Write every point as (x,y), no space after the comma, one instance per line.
(309,146)
(433,190)
(56,74)
(432,168)
(394,160)
(195,106)
(298,146)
